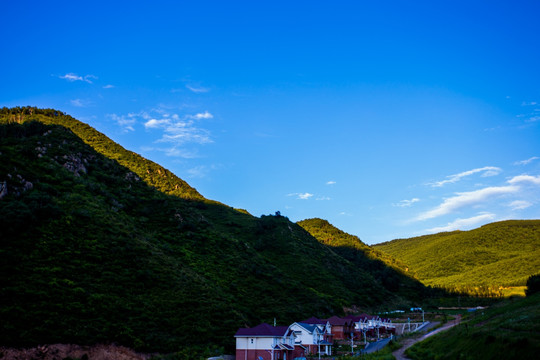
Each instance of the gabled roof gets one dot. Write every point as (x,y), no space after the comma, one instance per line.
(334,320)
(310,328)
(354,318)
(263,330)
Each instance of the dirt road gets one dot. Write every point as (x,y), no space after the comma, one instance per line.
(400,353)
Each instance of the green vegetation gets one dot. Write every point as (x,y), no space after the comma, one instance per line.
(481,262)
(509,330)
(100,245)
(388,271)
(533,285)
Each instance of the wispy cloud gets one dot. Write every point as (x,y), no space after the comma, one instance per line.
(465,199)
(486,171)
(477,197)
(535,180)
(520,204)
(201,171)
(406,203)
(331,182)
(126,122)
(526,162)
(530,103)
(463,224)
(301,196)
(77,102)
(180,129)
(71,77)
(323,198)
(204,115)
(109,86)
(197,89)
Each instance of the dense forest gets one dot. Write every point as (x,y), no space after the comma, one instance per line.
(101,245)
(479,261)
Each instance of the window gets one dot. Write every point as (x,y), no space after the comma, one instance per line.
(252,341)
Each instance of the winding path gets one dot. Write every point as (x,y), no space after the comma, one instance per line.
(399,354)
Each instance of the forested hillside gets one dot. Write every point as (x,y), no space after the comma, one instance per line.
(495,255)
(101,245)
(385,268)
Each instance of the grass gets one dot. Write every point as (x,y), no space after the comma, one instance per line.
(493,260)
(509,330)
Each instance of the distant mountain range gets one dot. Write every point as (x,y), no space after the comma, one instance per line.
(496,255)
(99,244)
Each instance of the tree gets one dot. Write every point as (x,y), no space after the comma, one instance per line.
(533,285)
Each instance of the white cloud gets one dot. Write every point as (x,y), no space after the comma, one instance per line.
(467,198)
(179,130)
(71,77)
(125,122)
(204,115)
(532,103)
(406,203)
(460,224)
(201,171)
(520,204)
(155,124)
(323,198)
(304,196)
(535,180)
(108,86)
(486,171)
(526,162)
(301,196)
(331,182)
(197,89)
(77,102)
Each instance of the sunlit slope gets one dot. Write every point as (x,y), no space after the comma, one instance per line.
(499,254)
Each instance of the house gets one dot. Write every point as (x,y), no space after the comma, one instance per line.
(324,326)
(265,342)
(341,328)
(310,339)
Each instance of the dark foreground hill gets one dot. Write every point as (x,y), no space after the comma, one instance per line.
(495,255)
(101,245)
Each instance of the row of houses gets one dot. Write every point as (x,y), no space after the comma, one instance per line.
(312,336)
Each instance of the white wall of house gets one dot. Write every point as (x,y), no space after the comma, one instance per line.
(255,342)
(303,336)
(262,342)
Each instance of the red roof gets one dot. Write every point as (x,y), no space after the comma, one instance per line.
(354,318)
(263,330)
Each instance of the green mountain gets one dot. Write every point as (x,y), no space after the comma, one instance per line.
(101,245)
(496,255)
(508,330)
(386,269)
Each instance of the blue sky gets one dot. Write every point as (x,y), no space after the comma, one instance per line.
(389,119)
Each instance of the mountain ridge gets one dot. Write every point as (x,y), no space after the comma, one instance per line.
(500,254)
